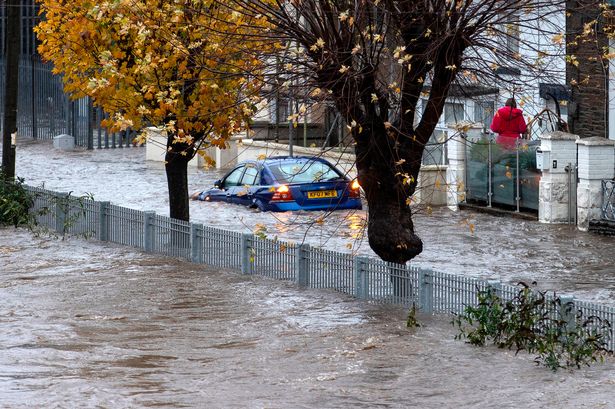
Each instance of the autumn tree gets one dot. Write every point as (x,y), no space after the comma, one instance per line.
(186,66)
(388,66)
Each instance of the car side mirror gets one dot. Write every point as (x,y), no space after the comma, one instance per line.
(218,183)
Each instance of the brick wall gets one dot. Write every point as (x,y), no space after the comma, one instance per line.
(588,111)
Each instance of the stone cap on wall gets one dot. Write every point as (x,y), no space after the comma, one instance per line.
(595,141)
(560,136)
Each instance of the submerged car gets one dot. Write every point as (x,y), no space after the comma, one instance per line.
(284,183)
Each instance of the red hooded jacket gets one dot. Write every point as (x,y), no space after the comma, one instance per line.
(509,124)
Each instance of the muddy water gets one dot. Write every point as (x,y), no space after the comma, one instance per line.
(468,243)
(85,324)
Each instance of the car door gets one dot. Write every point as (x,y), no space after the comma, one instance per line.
(249,180)
(229,185)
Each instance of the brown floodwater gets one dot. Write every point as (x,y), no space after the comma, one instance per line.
(93,325)
(557,257)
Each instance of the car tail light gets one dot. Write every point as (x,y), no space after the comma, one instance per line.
(282,194)
(355,189)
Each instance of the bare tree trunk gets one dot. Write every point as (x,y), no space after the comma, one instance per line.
(176,167)
(11,82)
(390,228)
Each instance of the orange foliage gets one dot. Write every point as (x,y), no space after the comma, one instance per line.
(189,66)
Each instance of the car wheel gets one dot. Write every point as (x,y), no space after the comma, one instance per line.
(257,205)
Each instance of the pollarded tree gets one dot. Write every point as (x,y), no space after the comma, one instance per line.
(380,61)
(183,65)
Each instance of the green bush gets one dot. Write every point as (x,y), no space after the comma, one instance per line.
(15,203)
(560,337)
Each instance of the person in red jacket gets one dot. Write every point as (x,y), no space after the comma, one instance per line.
(509,124)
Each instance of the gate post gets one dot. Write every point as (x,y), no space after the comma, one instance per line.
(62,206)
(302,267)
(456,178)
(247,241)
(196,248)
(103,232)
(148,231)
(558,149)
(596,163)
(567,312)
(426,291)
(361,289)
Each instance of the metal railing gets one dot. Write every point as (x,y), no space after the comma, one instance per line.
(45,111)
(608,200)
(500,175)
(362,277)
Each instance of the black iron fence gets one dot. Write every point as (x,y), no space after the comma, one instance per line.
(45,111)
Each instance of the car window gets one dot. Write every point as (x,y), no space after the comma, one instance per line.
(249,178)
(303,171)
(233,178)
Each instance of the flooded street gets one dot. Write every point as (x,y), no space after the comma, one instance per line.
(89,324)
(556,257)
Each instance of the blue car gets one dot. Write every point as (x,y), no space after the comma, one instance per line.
(284,183)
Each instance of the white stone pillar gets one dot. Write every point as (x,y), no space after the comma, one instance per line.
(560,150)
(596,163)
(456,169)
(455,172)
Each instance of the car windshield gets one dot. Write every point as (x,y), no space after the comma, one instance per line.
(303,171)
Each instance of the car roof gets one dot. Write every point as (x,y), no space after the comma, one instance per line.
(279,159)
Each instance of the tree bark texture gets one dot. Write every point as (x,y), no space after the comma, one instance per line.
(11,82)
(176,167)
(390,228)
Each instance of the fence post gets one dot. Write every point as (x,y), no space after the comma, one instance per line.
(61,206)
(303,268)
(247,256)
(426,291)
(496,287)
(361,289)
(103,233)
(148,239)
(567,312)
(196,248)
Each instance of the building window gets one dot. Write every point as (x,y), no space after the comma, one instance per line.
(512,35)
(282,110)
(453,112)
(483,112)
(435,152)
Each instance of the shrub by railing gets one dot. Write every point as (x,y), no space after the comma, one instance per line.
(365,278)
